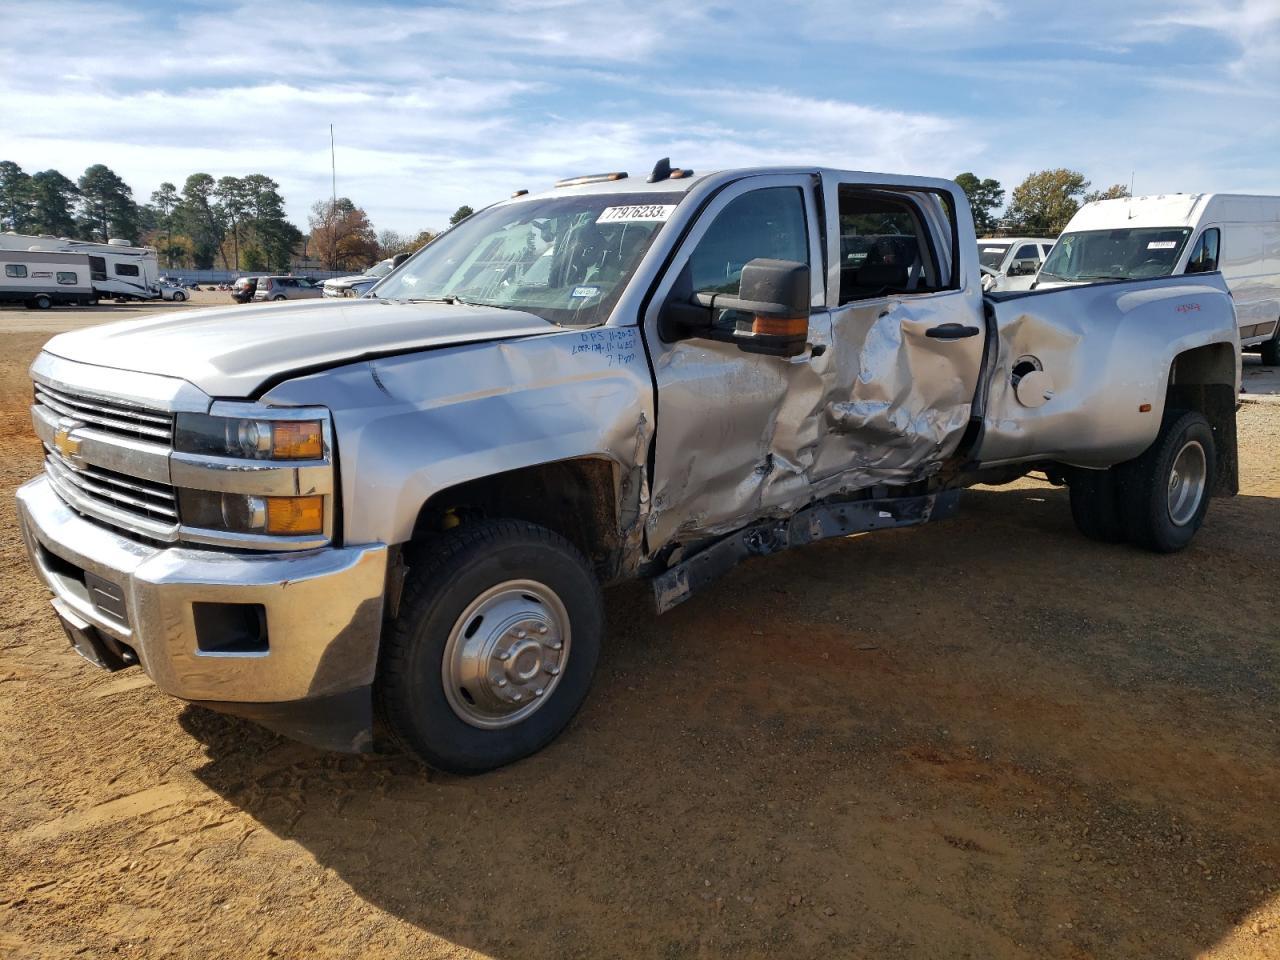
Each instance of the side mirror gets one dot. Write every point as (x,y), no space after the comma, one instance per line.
(772,306)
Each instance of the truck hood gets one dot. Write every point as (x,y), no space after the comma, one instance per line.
(230,352)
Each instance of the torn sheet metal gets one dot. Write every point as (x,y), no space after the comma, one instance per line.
(737,440)
(814,523)
(898,401)
(414,425)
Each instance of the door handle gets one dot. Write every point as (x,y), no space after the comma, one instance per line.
(951,331)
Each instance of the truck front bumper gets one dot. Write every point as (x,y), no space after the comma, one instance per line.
(289,640)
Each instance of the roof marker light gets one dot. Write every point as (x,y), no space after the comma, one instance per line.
(591,178)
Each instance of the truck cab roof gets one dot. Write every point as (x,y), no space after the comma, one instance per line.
(691,182)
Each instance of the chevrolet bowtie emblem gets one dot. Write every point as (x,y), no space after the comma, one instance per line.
(64,442)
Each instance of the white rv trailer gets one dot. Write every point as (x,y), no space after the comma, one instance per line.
(118,269)
(1142,237)
(42,279)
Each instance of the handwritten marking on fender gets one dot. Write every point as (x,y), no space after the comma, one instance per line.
(1188,308)
(616,345)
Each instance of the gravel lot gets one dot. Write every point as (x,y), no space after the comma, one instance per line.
(985,738)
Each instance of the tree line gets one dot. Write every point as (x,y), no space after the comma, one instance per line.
(1042,205)
(237,223)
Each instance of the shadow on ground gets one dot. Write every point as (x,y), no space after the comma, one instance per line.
(984,738)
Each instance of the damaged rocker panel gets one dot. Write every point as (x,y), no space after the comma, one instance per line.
(818,522)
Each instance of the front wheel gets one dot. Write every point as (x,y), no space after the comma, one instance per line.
(42,302)
(278,297)
(1165,492)
(494,647)
(179,296)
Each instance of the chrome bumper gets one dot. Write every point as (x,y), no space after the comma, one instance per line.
(323,608)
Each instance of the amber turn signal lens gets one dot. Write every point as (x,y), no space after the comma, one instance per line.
(297,440)
(295,515)
(780,326)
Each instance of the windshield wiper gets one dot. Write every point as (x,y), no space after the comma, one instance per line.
(1100,276)
(452,298)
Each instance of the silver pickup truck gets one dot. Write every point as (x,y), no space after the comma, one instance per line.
(406,505)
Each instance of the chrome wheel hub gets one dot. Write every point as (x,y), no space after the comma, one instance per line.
(1187,482)
(505,654)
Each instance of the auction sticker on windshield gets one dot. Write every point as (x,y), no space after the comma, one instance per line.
(1162,244)
(638,213)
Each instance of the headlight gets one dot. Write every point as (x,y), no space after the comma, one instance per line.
(249,439)
(245,513)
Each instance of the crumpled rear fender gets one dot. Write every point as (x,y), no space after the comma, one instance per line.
(1108,351)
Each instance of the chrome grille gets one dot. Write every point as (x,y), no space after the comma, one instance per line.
(99,487)
(110,416)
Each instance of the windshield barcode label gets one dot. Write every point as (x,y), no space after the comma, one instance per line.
(1162,244)
(641,213)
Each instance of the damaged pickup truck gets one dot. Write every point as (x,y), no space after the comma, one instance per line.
(313,513)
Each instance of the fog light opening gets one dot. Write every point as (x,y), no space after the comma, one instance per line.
(230,628)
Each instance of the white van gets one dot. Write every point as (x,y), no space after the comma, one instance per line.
(1142,237)
(1010,263)
(42,279)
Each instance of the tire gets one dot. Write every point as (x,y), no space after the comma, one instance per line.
(1095,505)
(1155,514)
(42,302)
(179,296)
(512,574)
(278,297)
(1271,351)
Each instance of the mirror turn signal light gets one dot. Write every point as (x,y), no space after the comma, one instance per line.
(295,515)
(780,326)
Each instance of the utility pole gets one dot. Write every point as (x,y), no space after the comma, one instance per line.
(333,204)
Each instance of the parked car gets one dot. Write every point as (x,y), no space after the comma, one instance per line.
(1011,262)
(285,288)
(414,500)
(1182,233)
(171,291)
(358,285)
(243,289)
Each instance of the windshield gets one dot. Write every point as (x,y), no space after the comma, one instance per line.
(380,269)
(564,259)
(1129,253)
(991,255)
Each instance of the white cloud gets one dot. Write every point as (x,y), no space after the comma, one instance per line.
(435,106)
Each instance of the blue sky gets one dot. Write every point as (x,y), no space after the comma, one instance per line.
(436,105)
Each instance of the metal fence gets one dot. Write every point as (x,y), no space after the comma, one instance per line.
(226,276)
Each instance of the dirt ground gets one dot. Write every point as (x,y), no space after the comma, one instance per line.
(986,738)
